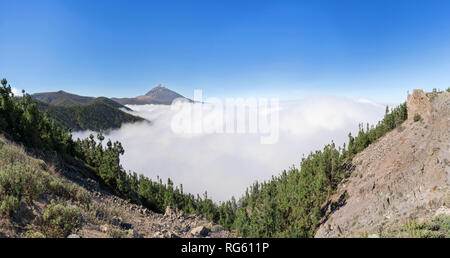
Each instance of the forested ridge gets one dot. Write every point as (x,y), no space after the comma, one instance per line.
(98,115)
(288,205)
(62,98)
(21,121)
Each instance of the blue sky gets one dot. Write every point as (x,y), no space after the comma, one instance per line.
(288,49)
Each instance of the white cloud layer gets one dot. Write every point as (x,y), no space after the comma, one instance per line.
(225,164)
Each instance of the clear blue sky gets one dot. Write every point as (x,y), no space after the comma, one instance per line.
(362,49)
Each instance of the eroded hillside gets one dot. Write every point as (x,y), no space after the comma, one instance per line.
(403,176)
(61,197)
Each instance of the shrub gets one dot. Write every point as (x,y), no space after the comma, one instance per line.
(68,190)
(57,187)
(78,193)
(18,182)
(117,233)
(60,220)
(441,223)
(417,117)
(9,205)
(34,234)
(439,227)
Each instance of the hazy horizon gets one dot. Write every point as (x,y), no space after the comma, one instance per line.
(283,49)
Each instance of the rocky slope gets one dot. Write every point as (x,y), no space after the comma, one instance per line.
(404,175)
(71,184)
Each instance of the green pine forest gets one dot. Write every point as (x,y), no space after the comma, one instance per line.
(288,205)
(98,115)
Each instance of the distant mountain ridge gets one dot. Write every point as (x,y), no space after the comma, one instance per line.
(66,99)
(90,113)
(62,98)
(98,115)
(158,95)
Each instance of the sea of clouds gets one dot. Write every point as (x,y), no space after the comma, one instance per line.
(225,164)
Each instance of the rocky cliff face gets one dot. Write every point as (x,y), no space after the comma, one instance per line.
(404,175)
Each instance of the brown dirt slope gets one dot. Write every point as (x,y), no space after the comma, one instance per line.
(404,175)
(70,183)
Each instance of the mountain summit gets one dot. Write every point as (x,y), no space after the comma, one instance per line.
(84,112)
(157,95)
(159,88)
(163,94)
